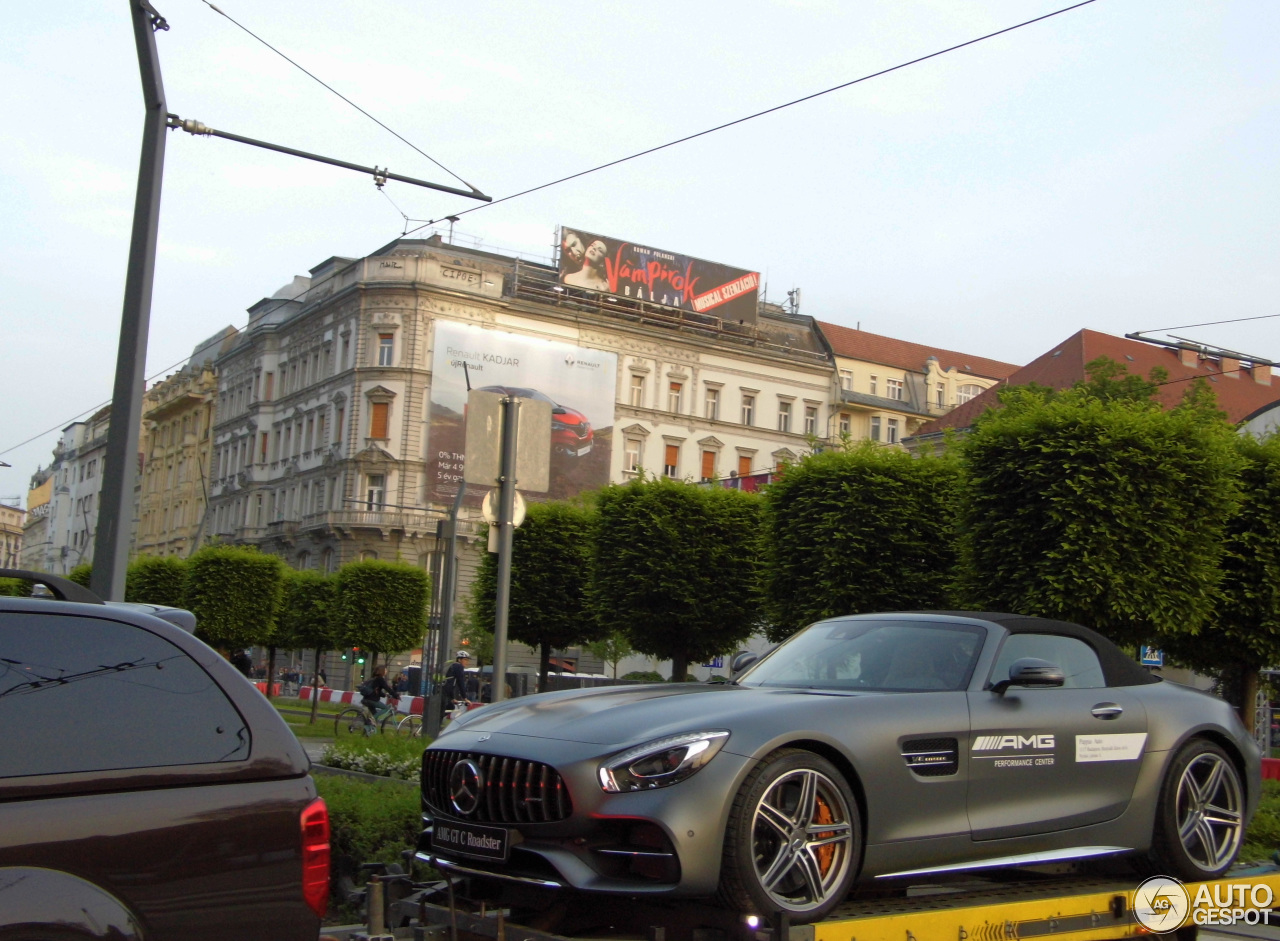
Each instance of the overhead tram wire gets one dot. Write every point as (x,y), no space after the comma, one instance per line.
(326,85)
(758,114)
(1212,323)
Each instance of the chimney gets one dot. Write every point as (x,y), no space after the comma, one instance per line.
(1262,374)
(1188,356)
(1231,367)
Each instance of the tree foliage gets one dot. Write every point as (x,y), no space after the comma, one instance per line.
(612,649)
(234,592)
(864,529)
(156,580)
(1244,630)
(382,605)
(80,574)
(550,574)
(1101,509)
(307,611)
(678,568)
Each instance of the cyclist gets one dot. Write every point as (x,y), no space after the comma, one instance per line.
(371,692)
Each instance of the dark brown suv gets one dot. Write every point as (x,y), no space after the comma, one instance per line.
(147,789)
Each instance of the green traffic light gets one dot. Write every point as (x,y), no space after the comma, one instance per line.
(361,660)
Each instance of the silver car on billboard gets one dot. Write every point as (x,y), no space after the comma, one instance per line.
(864,748)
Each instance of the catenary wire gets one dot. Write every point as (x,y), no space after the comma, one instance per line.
(1212,323)
(758,114)
(338,93)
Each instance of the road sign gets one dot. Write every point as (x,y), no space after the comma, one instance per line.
(1152,656)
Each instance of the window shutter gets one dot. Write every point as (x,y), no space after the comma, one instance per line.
(378,422)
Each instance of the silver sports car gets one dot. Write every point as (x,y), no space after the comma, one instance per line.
(863,748)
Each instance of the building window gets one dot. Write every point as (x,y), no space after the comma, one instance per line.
(713,404)
(967,392)
(674,395)
(846,426)
(811,419)
(671,465)
(846,380)
(633,454)
(339,423)
(386,348)
(327,560)
(317,497)
(942,394)
(376,493)
(748,409)
(744,465)
(311,429)
(784,416)
(893,431)
(708,465)
(379,419)
(873,381)
(637,390)
(893,388)
(304,561)
(875,427)
(288,440)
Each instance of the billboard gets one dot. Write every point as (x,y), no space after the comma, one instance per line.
(613,266)
(579,383)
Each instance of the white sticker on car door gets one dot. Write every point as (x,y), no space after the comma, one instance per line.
(1120,747)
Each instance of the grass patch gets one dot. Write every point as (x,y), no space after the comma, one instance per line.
(1262,839)
(388,755)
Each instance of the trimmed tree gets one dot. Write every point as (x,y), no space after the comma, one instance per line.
(156,580)
(80,574)
(234,592)
(306,619)
(1107,512)
(859,530)
(550,570)
(1243,634)
(678,568)
(382,606)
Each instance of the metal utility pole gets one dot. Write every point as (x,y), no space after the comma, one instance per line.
(433,714)
(506,534)
(115,510)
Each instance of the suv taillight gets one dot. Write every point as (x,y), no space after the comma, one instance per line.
(315,856)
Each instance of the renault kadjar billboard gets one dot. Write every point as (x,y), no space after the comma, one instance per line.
(578,383)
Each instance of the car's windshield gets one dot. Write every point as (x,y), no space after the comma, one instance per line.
(873,654)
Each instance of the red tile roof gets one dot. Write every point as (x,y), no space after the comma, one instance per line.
(873,348)
(1239,391)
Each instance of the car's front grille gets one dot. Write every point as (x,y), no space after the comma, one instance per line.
(512,790)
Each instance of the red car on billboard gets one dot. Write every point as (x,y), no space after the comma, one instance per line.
(571,433)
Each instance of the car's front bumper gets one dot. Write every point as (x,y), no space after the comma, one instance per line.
(662,841)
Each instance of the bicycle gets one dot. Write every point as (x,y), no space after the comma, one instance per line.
(410,726)
(361,720)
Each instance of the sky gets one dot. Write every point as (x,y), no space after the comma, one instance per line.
(1110,168)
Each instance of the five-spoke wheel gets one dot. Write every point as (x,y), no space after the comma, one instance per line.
(794,837)
(1200,822)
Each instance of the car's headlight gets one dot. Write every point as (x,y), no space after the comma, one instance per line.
(662,762)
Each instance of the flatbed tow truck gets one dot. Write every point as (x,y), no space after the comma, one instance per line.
(1010,906)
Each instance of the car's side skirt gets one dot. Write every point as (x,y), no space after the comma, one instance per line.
(1023,859)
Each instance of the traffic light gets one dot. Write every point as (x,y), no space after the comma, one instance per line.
(344,655)
(355,652)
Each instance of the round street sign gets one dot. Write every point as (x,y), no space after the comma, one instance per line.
(489,510)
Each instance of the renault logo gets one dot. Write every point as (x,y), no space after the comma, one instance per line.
(465,782)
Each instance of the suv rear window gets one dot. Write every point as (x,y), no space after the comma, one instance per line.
(90,694)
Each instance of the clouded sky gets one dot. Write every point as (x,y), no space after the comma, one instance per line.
(1112,168)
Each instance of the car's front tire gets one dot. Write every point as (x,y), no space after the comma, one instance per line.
(1200,819)
(794,838)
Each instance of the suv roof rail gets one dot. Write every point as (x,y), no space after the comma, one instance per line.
(63,589)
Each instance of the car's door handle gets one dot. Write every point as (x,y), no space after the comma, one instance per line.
(1106,710)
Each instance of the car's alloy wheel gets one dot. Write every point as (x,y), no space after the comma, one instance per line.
(794,837)
(1200,824)
(1210,811)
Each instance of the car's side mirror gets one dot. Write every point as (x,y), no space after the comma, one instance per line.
(1031,673)
(742,661)
(558,410)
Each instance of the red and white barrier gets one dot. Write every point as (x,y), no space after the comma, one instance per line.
(408,704)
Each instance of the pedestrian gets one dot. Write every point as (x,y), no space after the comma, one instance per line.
(240,660)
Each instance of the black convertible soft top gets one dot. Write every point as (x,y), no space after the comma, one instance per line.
(1118,668)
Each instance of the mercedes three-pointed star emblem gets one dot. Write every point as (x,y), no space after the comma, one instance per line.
(465,784)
